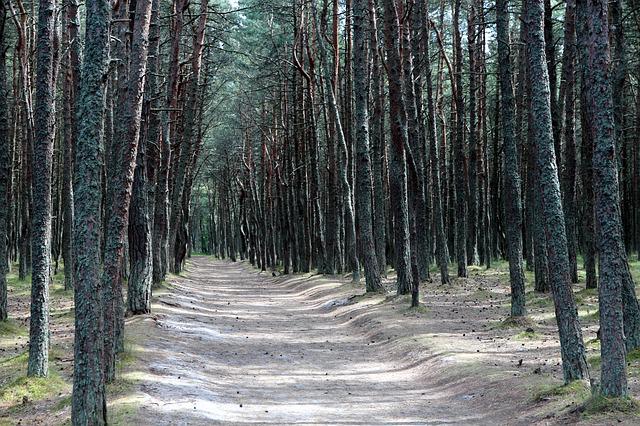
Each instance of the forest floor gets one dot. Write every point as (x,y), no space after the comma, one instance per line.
(227,344)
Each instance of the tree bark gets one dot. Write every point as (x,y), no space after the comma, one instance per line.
(70,91)
(363,164)
(42,155)
(120,184)
(89,403)
(593,34)
(513,207)
(460,166)
(5,172)
(574,362)
(399,142)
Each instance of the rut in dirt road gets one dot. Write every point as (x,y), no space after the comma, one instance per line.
(233,346)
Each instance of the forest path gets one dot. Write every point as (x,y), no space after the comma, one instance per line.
(234,346)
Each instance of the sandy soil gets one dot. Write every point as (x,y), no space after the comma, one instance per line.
(230,345)
(227,344)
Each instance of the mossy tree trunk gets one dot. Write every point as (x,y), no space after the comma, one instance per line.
(574,363)
(120,184)
(513,206)
(593,36)
(89,404)
(44,120)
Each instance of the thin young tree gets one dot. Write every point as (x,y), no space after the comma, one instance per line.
(460,166)
(442,253)
(5,170)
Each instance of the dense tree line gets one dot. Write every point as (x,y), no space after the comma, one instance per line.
(417,134)
(337,136)
(102,122)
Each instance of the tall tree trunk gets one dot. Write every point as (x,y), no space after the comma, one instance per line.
(513,206)
(574,362)
(550,55)
(442,253)
(415,151)
(120,184)
(460,173)
(140,256)
(378,143)
(399,142)
(593,34)
(363,164)
(588,215)
(177,226)
(342,145)
(474,131)
(44,119)
(567,93)
(89,403)
(70,91)
(5,172)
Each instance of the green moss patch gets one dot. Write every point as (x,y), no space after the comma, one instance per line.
(12,328)
(527,335)
(539,300)
(25,389)
(17,286)
(599,404)
(576,389)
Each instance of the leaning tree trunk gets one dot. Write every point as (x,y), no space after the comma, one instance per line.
(574,363)
(44,119)
(513,206)
(177,225)
(120,184)
(89,403)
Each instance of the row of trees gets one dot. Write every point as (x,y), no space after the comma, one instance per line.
(410,133)
(100,135)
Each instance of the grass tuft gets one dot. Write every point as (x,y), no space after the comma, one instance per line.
(515,322)
(25,389)
(599,404)
(579,388)
(527,335)
(12,328)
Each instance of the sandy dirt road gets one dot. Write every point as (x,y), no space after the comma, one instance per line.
(232,346)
